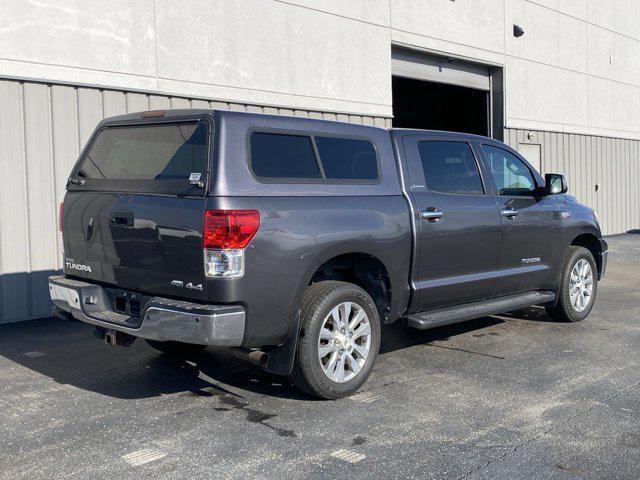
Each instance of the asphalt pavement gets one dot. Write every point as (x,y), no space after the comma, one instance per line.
(504,397)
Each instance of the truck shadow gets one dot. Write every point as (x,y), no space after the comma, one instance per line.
(67,353)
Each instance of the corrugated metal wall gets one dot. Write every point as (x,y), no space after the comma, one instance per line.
(42,129)
(613,164)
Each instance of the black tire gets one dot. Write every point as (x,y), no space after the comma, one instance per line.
(318,302)
(177,349)
(564,311)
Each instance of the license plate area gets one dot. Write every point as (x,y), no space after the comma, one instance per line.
(127,303)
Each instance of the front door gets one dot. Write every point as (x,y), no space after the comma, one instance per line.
(458,225)
(532,225)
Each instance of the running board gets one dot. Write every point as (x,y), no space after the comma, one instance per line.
(460,313)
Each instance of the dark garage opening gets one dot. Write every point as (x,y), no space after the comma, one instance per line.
(439,106)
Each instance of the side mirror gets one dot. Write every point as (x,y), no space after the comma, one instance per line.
(554,184)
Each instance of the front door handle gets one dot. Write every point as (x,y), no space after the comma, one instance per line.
(431,215)
(509,212)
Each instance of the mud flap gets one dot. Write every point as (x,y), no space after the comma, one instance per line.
(282,357)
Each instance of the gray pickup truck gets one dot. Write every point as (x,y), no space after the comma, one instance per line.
(291,240)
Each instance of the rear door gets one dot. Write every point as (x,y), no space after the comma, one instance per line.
(458,228)
(532,226)
(133,213)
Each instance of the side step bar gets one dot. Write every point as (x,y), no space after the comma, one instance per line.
(460,313)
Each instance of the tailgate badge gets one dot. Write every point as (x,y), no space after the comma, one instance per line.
(192,286)
(177,283)
(72,265)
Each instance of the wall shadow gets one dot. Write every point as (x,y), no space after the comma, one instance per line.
(25,295)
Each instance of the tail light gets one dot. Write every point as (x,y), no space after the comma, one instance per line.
(225,234)
(60,209)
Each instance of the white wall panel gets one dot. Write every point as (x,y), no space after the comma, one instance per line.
(550,38)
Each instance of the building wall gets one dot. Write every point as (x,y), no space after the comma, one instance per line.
(571,71)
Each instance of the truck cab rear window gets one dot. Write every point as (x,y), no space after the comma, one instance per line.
(285,156)
(147,152)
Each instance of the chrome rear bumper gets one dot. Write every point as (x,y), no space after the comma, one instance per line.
(162,319)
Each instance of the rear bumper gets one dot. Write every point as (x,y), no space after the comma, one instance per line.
(163,319)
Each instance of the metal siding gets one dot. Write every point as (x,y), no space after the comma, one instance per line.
(137,102)
(14,234)
(113,103)
(42,129)
(40,194)
(159,102)
(64,123)
(587,160)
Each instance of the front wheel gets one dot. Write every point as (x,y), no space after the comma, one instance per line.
(339,340)
(578,286)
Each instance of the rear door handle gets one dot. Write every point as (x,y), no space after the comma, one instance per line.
(509,212)
(431,215)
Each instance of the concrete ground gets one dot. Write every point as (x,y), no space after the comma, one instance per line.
(504,397)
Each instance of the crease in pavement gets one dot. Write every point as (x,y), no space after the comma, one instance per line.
(534,438)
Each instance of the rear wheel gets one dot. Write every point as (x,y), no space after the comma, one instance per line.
(177,349)
(578,286)
(339,340)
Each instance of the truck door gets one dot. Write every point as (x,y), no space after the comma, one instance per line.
(532,226)
(457,224)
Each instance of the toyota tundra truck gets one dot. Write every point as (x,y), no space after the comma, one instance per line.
(292,240)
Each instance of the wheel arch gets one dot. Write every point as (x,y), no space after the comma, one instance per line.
(591,243)
(366,268)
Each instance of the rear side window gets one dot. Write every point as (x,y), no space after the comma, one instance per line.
(283,156)
(147,152)
(450,167)
(286,156)
(347,158)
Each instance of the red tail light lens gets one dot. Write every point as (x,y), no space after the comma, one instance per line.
(60,208)
(225,229)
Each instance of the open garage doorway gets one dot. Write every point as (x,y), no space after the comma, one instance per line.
(438,106)
(434,92)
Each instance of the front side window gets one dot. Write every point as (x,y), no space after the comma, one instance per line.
(147,152)
(512,176)
(450,167)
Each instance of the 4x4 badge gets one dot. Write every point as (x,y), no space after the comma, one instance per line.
(192,286)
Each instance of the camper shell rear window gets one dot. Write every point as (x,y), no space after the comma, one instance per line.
(168,157)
